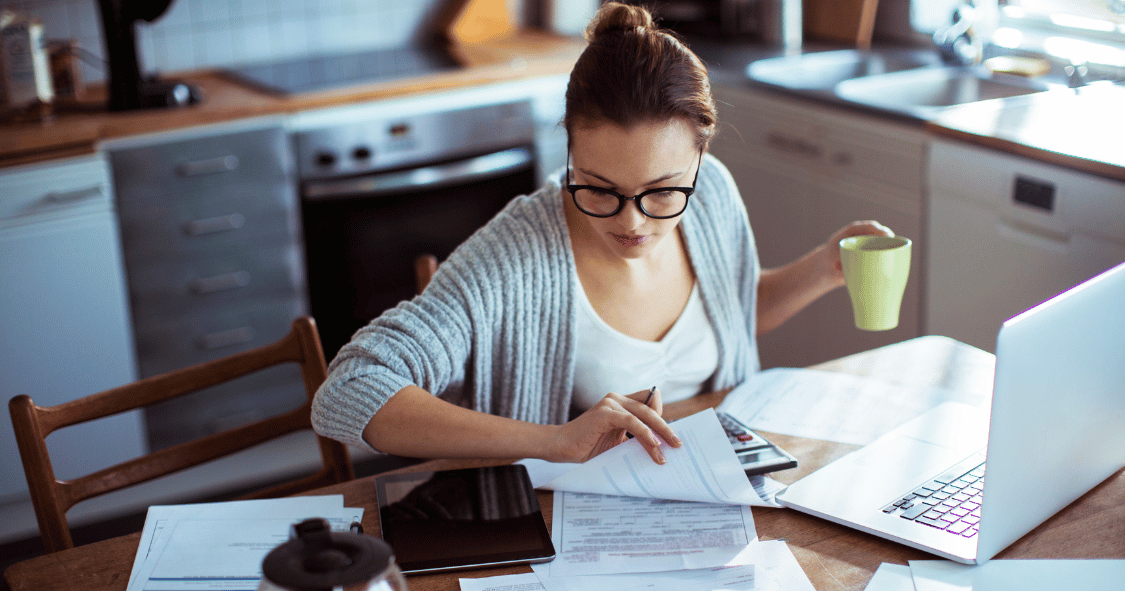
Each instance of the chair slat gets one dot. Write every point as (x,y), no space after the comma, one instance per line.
(52,497)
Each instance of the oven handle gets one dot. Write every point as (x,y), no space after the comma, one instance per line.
(461,171)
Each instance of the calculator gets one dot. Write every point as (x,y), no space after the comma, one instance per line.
(756,454)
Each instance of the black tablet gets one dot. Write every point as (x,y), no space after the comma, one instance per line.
(456,519)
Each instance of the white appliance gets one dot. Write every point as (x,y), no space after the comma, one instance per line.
(1006,232)
(65,314)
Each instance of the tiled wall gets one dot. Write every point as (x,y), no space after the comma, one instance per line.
(215,33)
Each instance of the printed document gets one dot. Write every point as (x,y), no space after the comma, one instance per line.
(728,578)
(832,406)
(222,545)
(704,469)
(598,534)
(767,566)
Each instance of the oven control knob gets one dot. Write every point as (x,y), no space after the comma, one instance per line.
(325,158)
(361,153)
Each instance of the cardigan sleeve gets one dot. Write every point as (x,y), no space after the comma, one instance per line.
(424,341)
(489,332)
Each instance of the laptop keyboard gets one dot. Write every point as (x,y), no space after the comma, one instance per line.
(950,502)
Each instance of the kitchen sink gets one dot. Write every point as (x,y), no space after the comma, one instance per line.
(922,91)
(824,70)
(911,82)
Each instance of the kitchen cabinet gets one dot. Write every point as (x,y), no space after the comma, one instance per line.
(66,328)
(211,241)
(1009,232)
(805,170)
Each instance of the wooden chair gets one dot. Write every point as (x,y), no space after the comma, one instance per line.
(52,497)
(425,265)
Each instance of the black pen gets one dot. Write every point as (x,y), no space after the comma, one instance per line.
(650,393)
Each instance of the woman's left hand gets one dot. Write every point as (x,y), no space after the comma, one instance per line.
(832,246)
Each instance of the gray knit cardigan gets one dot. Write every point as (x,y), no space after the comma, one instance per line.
(495,329)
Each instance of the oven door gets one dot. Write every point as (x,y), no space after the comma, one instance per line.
(363,233)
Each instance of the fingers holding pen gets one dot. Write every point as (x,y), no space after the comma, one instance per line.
(606,424)
(648,412)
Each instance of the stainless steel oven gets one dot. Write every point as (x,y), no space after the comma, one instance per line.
(377,193)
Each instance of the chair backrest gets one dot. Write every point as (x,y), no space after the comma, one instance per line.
(52,497)
(425,265)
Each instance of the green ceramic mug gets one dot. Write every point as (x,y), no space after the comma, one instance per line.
(875,271)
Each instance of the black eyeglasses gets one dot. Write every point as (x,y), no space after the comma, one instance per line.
(660,203)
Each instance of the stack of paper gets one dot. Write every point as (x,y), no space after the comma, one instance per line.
(222,545)
(621,521)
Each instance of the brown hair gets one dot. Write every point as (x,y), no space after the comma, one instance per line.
(634,72)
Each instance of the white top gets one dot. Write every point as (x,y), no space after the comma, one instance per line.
(679,365)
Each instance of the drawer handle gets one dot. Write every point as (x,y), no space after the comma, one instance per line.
(792,145)
(225,338)
(223,282)
(220,223)
(209,166)
(73,196)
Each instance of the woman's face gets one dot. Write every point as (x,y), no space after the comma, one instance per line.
(630,161)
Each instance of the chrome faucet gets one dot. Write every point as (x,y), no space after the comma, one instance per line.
(955,43)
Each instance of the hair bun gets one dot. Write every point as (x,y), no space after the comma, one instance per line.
(615,17)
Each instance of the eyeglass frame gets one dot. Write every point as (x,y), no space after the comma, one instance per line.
(621,199)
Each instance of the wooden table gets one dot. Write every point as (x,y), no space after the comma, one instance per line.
(833,556)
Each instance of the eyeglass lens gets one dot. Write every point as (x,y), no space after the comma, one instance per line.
(659,204)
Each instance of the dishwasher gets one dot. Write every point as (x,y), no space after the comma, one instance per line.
(1006,233)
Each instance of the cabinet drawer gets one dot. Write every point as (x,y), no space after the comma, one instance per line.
(214,333)
(73,186)
(165,291)
(201,167)
(807,139)
(247,216)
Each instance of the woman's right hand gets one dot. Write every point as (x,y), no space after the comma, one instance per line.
(605,425)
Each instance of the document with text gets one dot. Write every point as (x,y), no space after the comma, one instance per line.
(704,469)
(160,517)
(766,566)
(727,578)
(222,547)
(598,534)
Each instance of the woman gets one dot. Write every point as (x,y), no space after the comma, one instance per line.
(634,268)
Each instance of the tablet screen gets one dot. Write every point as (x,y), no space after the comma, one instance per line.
(454,519)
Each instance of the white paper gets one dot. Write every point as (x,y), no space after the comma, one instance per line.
(891,577)
(775,561)
(1024,575)
(601,534)
(704,469)
(159,517)
(224,550)
(832,406)
(517,582)
(726,578)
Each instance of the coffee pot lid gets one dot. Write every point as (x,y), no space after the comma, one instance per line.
(317,558)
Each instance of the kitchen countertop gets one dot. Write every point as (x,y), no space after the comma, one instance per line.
(76,128)
(1080,128)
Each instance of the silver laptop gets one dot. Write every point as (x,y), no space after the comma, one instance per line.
(1057,429)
